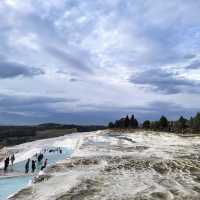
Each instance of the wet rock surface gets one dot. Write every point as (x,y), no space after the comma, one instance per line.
(41,178)
(150,168)
(85,190)
(23,193)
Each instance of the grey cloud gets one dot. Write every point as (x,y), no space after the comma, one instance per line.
(73,80)
(45,114)
(59,71)
(20,109)
(189,56)
(162,81)
(72,61)
(194,65)
(71,77)
(83,35)
(151,111)
(18,100)
(84,118)
(13,69)
(171,110)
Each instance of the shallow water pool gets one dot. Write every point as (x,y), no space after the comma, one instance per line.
(52,158)
(10,185)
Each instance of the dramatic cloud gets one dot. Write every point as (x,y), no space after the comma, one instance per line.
(162,81)
(114,56)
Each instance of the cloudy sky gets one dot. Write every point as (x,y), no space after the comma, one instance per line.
(92,61)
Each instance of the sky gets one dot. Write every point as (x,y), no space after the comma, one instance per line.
(93,61)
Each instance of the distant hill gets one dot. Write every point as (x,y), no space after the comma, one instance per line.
(80,128)
(12,135)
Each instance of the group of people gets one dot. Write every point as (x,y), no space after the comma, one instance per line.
(58,149)
(36,164)
(7,161)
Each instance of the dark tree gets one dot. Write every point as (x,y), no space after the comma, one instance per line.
(182,123)
(111,125)
(127,122)
(135,123)
(132,121)
(155,125)
(191,122)
(196,122)
(117,124)
(146,124)
(122,123)
(163,122)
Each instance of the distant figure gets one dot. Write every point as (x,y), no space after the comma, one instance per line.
(50,150)
(33,166)
(40,157)
(8,160)
(27,166)
(6,163)
(12,159)
(45,164)
(39,161)
(60,151)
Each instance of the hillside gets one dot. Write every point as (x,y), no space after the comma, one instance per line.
(12,135)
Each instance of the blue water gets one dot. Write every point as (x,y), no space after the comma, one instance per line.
(52,158)
(11,185)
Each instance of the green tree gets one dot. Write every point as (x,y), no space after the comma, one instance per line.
(163,122)
(196,122)
(146,124)
(191,122)
(182,123)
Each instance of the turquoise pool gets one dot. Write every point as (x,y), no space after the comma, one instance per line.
(10,185)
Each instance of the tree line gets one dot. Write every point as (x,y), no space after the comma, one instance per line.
(182,125)
(13,135)
(125,122)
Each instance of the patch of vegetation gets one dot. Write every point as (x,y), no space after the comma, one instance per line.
(182,125)
(12,135)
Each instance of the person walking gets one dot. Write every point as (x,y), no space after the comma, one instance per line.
(40,157)
(8,160)
(33,166)
(27,166)
(39,161)
(6,163)
(12,159)
(45,164)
